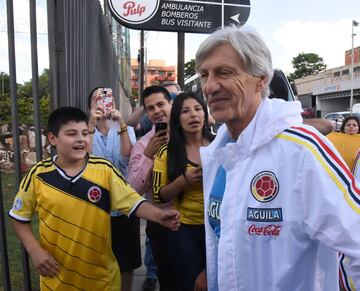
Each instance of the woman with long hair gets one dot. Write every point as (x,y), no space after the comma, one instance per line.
(178,177)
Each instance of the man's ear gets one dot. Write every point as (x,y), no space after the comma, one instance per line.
(261,84)
(52,138)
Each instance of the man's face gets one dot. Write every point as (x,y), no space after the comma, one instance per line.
(72,141)
(233,95)
(157,107)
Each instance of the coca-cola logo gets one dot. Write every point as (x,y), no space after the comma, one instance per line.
(134,12)
(271,229)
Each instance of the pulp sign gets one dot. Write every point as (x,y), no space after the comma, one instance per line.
(203,16)
(135,12)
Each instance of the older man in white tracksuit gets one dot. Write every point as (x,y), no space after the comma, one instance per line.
(279,199)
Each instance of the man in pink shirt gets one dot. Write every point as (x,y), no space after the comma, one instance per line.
(157,104)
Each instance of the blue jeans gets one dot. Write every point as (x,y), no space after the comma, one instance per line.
(149,261)
(187,254)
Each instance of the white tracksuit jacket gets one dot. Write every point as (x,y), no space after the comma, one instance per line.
(356,169)
(284,238)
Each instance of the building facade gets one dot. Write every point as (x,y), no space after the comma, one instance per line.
(156,72)
(329,91)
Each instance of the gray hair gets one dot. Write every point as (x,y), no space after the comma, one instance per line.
(250,47)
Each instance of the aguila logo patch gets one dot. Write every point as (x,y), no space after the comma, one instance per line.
(94,194)
(264,186)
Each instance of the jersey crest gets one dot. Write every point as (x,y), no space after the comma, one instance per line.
(94,194)
(264,186)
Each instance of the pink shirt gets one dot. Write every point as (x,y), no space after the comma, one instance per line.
(140,170)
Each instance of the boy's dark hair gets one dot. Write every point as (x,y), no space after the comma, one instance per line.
(91,94)
(153,90)
(63,115)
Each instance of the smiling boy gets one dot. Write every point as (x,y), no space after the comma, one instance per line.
(73,194)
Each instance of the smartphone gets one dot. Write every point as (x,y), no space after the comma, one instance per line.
(160,126)
(104,99)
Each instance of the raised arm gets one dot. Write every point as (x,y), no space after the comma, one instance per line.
(135,117)
(322,125)
(142,161)
(167,218)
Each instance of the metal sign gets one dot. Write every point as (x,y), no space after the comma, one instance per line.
(202,16)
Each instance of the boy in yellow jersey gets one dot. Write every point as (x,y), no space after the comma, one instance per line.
(73,194)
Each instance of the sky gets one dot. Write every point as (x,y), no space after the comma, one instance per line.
(288,28)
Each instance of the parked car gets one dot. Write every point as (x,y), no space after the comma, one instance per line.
(308,113)
(337,118)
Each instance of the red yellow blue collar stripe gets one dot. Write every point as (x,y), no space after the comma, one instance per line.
(329,160)
(345,281)
(356,167)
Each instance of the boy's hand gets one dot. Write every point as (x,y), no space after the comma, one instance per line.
(44,262)
(170,219)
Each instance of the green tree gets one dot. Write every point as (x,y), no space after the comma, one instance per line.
(306,64)
(189,69)
(25,100)
(5,109)
(4,83)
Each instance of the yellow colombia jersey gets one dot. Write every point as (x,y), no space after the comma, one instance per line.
(191,203)
(74,220)
(347,145)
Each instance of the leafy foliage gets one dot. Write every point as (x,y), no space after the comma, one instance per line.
(25,100)
(306,64)
(189,69)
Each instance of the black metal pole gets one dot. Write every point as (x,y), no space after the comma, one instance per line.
(35,80)
(3,245)
(53,66)
(15,124)
(141,68)
(181,57)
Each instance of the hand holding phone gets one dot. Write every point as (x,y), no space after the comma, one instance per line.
(104,100)
(160,126)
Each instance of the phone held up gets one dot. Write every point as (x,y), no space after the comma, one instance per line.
(104,99)
(160,126)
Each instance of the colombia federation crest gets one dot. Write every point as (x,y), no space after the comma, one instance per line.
(264,186)
(94,194)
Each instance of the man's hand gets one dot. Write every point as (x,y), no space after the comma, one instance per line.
(44,262)
(155,143)
(170,219)
(200,282)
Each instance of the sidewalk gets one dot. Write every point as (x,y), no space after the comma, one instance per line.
(140,273)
